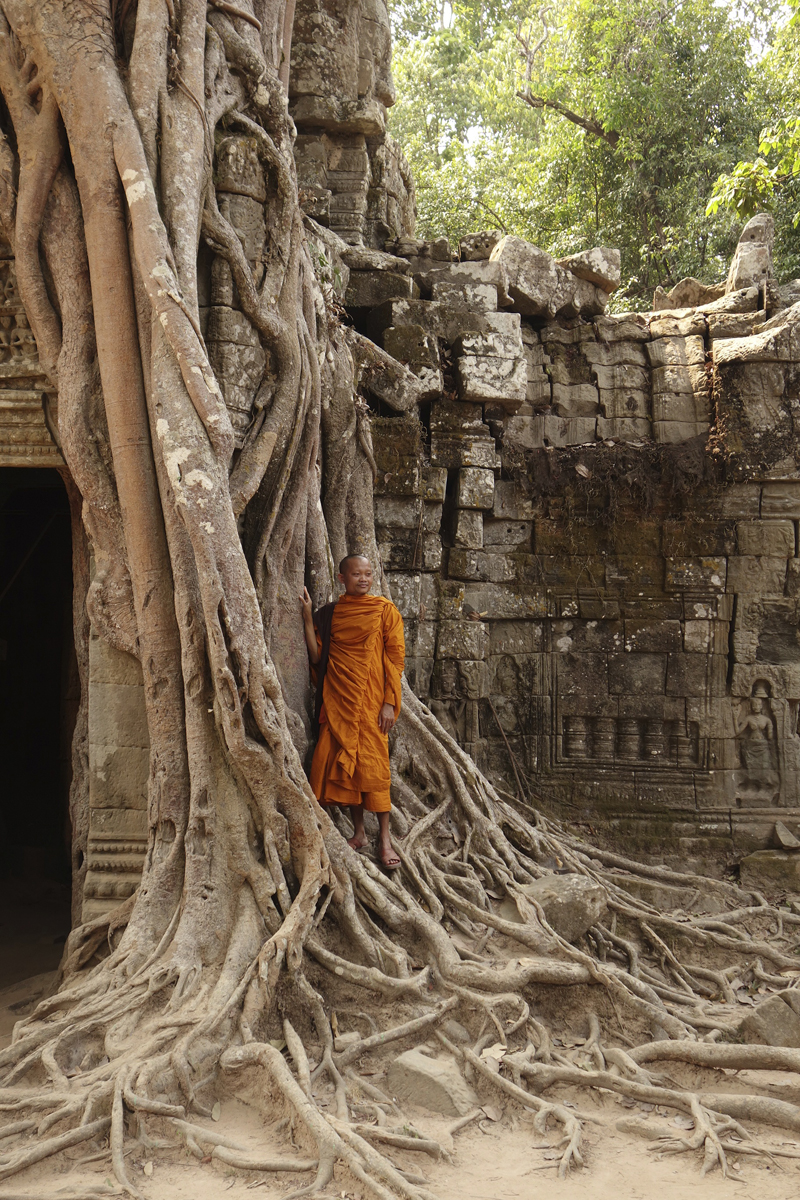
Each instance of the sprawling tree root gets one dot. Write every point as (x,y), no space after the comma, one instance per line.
(254,920)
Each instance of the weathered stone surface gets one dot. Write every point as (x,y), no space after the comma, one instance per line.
(510,503)
(461,639)
(623,429)
(773,1022)
(475,488)
(578,400)
(535,432)
(599,266)
(366,289)
(677,351)
(784,839)
(752,262)
(624,403)
(463,293)
(476,247)
(688,293)
(623,377)
(734,325)
(571,903)
(673,433)
(772,871)
(468,529)
(539,287)
(772,538)
(411,343)
(687,407)
(432,1083)
(492,345)
(615,354)
(492,380)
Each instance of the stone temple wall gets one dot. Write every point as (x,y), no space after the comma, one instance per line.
(592,534)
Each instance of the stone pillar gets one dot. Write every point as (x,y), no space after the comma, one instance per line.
(118,770)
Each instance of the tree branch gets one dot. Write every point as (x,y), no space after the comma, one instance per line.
(588,123)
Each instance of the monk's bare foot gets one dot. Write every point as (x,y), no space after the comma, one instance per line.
(358,841)
(388,856)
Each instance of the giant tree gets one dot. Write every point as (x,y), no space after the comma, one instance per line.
(254,918)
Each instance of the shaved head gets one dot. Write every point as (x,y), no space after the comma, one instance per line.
(348,558)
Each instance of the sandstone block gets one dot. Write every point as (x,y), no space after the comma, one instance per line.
(491,345)
(772,871)
(461,639)
(614,355)
(672,433)
(684,407)
(780,500)
(514,637)
(752,262)
(432,1083)
(695,574)
(506,533)
(403,513)
(462,293)
(637,674)
(440,320)
(624,405)
(504,603)
(405,590)
(459,679)
(626,327)
(475,488)
(773,538)
(118,776)
(510,503)
(366,289)
(756,574)
(677,351)
(536,432)
(411,344)
(492,380)
(468,529)
(108,665)
(678,323)
(733,325)
(679,379)
(599,266)
(773,1022)
(117,715)
(539,287)
(658,636)
(579,400)
(623,429)
(434,484)
(621,376)
(454,450)
(479,246)
(571,903)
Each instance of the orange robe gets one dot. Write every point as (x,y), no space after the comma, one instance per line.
(365,665)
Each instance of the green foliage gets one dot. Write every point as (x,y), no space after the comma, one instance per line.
(665,98)
(771,180)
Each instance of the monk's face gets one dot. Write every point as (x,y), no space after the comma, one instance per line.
(357,577)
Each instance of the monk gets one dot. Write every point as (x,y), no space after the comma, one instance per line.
(357,646)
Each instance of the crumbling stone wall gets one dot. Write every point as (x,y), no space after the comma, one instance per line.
(592,536)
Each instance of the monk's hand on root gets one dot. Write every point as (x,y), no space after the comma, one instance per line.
(386,718)
(307,606)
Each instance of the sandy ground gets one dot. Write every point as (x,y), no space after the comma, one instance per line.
(492,1159)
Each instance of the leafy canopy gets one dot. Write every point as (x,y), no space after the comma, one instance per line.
(632,109)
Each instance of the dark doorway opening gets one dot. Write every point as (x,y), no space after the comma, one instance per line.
(38,703)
